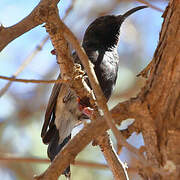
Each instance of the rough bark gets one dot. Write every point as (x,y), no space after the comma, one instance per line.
(161,130)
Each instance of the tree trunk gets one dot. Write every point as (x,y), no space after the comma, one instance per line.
(161,95)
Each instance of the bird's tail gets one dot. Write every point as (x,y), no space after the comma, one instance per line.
(54,147)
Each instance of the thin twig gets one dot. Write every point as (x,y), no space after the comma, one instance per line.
(13,158)
(144,73)
(150,5)
(24,64)
(69,9)
(33,80)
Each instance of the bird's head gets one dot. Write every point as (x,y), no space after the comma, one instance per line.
(103,33)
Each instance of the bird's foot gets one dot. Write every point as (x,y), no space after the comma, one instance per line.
(87,111)
(84,109)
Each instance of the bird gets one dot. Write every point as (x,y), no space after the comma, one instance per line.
(100,43)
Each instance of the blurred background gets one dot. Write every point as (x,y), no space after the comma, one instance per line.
(22,106)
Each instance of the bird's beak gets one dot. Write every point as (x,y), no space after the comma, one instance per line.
(131,11)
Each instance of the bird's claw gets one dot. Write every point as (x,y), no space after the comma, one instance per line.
(87,111)
(84,109)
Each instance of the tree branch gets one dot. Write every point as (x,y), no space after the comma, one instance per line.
(117,167)
(35,18)
(162,95)
(85,136)
(33,54)
(12,79)
(128,109)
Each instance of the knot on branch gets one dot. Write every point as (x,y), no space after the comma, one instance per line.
(79,80)
(77,71)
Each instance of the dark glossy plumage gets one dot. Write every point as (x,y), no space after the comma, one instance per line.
(100,43)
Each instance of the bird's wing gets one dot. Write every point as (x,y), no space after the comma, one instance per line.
(50,111)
